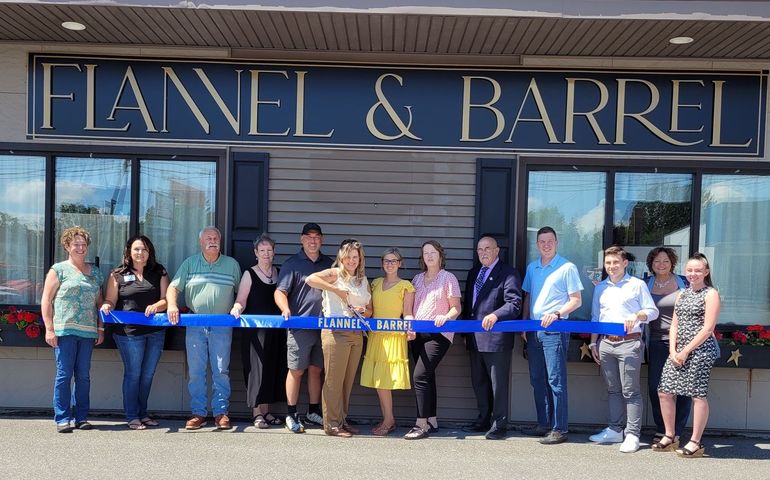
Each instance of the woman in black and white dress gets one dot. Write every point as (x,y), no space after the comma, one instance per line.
(692,354)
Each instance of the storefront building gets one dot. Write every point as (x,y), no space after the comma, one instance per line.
(393,125)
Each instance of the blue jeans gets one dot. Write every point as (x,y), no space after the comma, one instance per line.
(547,356)
(140,355)
(73,358)
(209,345)
(657,355)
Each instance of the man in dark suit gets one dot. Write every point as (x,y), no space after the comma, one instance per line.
(492,294)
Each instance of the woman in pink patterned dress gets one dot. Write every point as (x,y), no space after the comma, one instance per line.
(437,298)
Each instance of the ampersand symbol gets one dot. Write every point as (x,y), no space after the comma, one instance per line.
(384,103)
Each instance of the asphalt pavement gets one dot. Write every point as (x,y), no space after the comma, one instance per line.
(32,449)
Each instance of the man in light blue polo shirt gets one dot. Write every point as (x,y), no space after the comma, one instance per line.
(209,281)
(553,290)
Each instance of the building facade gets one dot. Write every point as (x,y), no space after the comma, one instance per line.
(393,125)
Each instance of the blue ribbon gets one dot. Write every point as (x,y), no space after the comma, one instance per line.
(347,323)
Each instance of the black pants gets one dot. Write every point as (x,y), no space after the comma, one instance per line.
(427,351)
(490,375)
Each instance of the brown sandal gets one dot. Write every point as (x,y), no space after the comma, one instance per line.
(382,431)
(659,446)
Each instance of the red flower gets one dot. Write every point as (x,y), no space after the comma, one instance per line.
(32,331)
(12,317)
(740,337)
(764,335)
(718,335)
(11,308)
(28,317)
(755,328)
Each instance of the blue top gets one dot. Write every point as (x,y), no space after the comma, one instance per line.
(304,300)
(74,306)
(550,285)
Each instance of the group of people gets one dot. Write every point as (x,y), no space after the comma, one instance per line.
(680,314)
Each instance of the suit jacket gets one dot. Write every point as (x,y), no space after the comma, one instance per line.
(501,295)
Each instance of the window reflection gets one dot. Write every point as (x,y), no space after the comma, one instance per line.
(176,200)
(22,229)
(95,194)
(735,236)
(652,210)
(573,204)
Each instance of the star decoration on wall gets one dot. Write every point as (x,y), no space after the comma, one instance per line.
(585,351)
(734,356)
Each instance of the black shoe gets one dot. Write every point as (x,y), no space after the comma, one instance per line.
(496,433)
(84,425)
(553,438)
(536,431)
(432,429)
(476,427)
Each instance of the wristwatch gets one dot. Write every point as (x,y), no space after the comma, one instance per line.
(558,315)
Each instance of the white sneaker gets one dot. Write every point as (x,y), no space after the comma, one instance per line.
(313,418)
(609,435)
(630,444)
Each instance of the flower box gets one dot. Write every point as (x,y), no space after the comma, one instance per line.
(742,356)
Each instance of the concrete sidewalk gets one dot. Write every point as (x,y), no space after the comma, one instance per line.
(34,450)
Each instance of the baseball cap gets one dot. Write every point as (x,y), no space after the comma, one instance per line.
(310,227)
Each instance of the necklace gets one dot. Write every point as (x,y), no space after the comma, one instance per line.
(662,285)
(268,277)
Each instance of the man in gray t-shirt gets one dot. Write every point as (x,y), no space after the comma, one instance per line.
(294,297)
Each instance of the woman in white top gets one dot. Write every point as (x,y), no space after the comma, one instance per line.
(345,294)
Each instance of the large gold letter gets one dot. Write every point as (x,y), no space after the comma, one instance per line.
(571,113)
(384,103)
(716,125)
(169,72)
(300,114)
(141,106)
(256,102)
(91,103)
(621,114)
(47,89)
(675,106)
(465,135)
(544,119)
(234,121)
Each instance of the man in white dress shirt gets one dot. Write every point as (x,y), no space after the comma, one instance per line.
(621,298)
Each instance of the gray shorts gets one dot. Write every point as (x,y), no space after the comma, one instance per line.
(303,348)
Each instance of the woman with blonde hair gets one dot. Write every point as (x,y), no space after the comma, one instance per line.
(345,294)
(386,363)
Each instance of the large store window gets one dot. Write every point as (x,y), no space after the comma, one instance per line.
(168,199)
(95,194)
(573,204)
(735,236)
(22,229)
(176,199)
(650,210)
(657,208)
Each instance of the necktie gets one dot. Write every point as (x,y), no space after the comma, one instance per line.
(479,282)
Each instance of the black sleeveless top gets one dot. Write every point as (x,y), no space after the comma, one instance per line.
(135,295)
(260,300)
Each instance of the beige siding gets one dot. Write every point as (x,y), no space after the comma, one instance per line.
(409,198)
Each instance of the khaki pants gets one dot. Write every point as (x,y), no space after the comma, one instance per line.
(342,353)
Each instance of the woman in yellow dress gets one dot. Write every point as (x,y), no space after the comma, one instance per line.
(386,363)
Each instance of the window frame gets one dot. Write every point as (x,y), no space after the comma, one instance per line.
(134,154)
(612,165)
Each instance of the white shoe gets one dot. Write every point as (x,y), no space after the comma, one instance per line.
(608,435)
(630,444)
